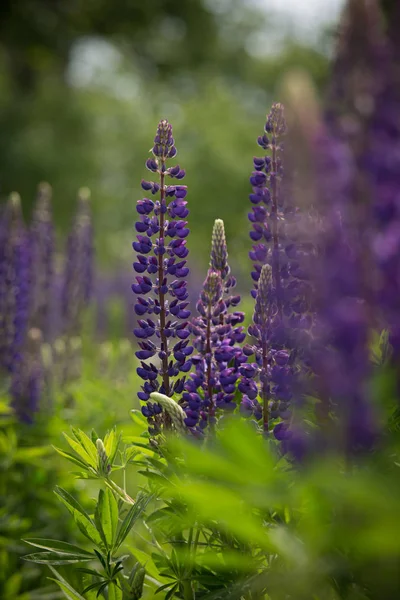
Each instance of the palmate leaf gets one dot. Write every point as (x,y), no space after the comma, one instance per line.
(83,446)
(106,517)
(80,516)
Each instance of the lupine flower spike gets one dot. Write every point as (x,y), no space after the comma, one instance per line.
(78,279)
(161,304)
(14,284)
(266,215)
(218,334)
(42,247)
(28,378)
(260,330)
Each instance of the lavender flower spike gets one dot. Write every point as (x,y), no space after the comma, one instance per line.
(266,217)
(218,334)
(14,285)
(77,284)
(79,266)
(161,304)
(27,383)
(42,248)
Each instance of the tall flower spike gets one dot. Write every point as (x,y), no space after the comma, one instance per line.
(161,303)
(14,284)
(266,215)
(260,330)
(342,332)
(42,248)
(274,232)
(79,266)
(28,378)
(78,276)
(218,333)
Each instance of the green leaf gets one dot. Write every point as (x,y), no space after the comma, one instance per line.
(106,516)
(81,518)
(54,558)
(86,443)
(71,457)
(146,560)
(114,592)
(111,443)
(138,418)
(66,588)
(80,450)
(57,546)
(132,516)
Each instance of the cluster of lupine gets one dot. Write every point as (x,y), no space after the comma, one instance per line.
(310,330)
(218,334)
(27,282)
(220,364)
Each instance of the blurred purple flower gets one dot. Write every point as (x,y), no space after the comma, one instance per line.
(42,249)
(14,284)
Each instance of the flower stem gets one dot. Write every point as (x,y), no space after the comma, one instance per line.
(275,236)
(163,337)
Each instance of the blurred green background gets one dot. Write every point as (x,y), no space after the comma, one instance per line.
(84,83)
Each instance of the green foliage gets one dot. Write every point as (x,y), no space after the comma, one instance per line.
(233,519)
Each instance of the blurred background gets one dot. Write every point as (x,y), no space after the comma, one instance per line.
(84,83)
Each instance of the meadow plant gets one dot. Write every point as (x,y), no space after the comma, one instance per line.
(14,282)
(260,506)
(219,504)
(42,261)
(160,284)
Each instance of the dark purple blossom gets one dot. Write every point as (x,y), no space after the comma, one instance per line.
(217,334)
(160,286)
(341,347)
(270,377)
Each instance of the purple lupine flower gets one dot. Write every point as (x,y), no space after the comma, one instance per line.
(271,376)
(278,234)
(42,248)
(260,330)
(219,264)
(362,67)
(78,273)
(161,304)
(28,378)
(218,334)
(358,73)
(341,353)
(266,214)
(14,284)
(77,284)
(276,227)
(382,163)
